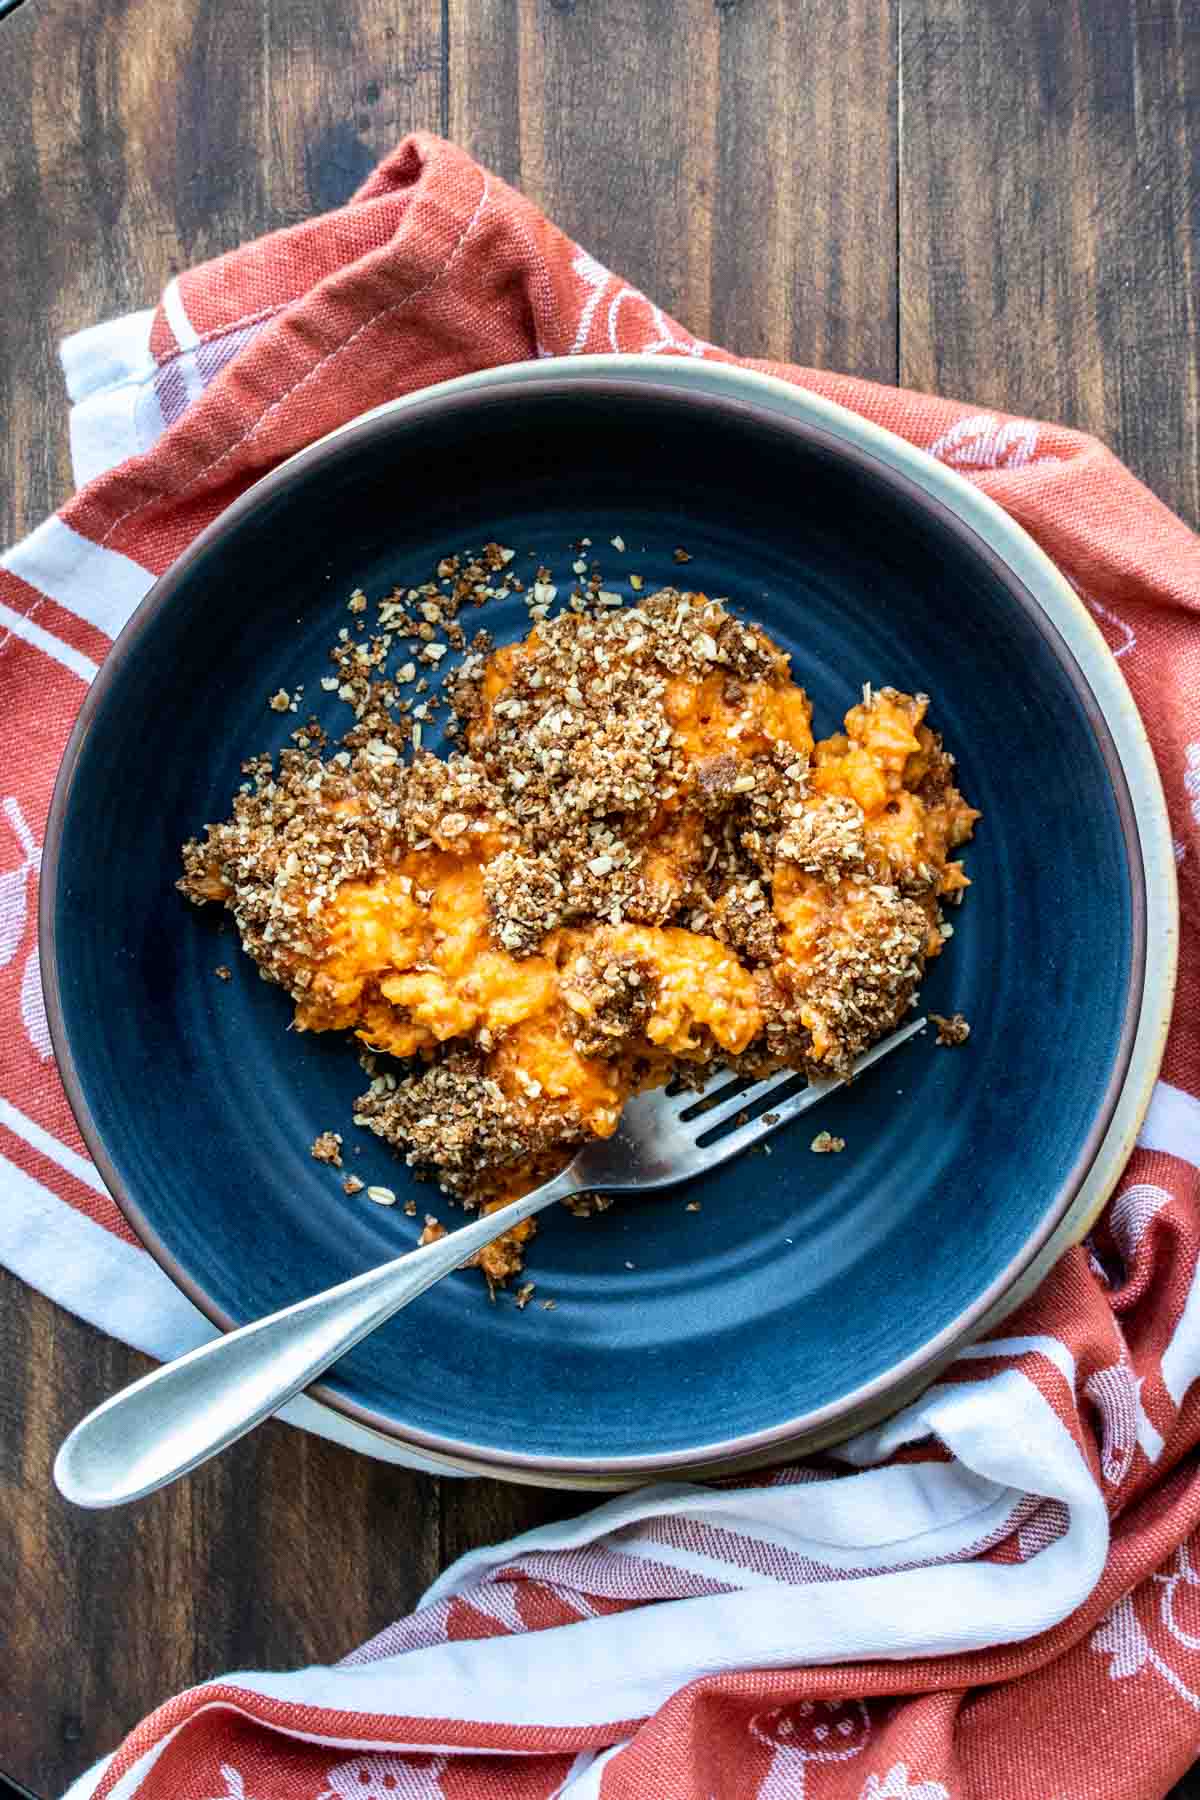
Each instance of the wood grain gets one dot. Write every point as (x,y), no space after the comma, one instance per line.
(144,135)
(735,160)
(606,121)
(804,237)
(1050,216)
(286,1550)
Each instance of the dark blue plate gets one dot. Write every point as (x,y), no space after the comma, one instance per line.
(804,1280)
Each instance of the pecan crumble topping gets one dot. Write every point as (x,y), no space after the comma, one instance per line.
(637,865)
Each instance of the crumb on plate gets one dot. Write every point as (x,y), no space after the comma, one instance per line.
(825,1144)
(328,1148)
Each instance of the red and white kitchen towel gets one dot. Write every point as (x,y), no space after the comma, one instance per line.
(998,1593)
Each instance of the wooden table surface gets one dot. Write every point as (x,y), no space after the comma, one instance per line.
(995,199)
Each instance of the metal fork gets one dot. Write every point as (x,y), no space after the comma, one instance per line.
(181,1414)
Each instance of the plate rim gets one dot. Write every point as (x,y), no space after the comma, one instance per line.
(1146,827)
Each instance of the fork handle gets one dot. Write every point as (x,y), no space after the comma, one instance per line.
(186,1411)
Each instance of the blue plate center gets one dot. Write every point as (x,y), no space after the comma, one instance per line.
(801,1277)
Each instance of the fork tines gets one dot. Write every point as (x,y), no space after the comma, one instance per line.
(708,1110)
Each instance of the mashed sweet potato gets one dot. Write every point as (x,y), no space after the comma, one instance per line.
(640,864)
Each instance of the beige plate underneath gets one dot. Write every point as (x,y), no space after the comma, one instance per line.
(1071,617)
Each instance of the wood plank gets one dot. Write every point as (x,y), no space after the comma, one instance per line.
(737,162)
(161,132)
(804,240)
(1049,219)
(286,1550)
(606,121)
(156,134)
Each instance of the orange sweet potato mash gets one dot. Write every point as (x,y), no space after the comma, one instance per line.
(640,864)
